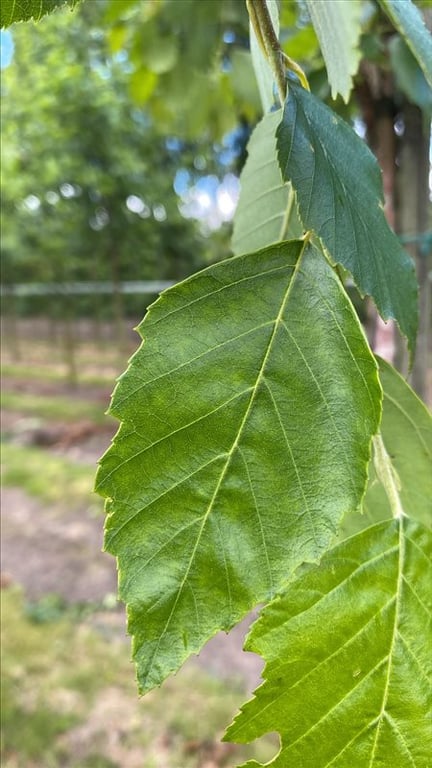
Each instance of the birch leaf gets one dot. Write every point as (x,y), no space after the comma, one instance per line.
(245,437)
(338,186)
(338,29)
(348,670)
(266,211)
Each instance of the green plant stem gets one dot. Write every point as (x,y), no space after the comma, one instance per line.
(268,42)
(388,476)
(271,49)
(294,67)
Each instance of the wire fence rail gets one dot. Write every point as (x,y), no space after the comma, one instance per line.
(145,287)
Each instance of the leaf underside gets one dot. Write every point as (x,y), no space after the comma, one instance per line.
(338,186)
(245,437)
(12,11)
(338,28)
(348,674)
(266,211)
(406,430)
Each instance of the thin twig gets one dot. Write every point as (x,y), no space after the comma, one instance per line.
(268,42)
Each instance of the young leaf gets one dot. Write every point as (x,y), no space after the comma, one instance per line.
(338,29)
(409,22)
(348,674)
(12,11)
(245,437)
(266,211)
(339,192)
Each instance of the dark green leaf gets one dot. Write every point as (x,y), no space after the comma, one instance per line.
(23,10)
(348,675)
(266,211)
(339,192)
(245,437)
(409,22)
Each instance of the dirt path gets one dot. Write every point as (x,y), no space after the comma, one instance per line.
(48,550)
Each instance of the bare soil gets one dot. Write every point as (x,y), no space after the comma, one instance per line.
(58,549)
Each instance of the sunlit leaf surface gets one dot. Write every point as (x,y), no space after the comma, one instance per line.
(348,674)
(247,417)
(23,10)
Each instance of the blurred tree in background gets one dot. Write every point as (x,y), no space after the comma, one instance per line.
(105,111)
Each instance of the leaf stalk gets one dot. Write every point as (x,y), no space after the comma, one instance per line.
(270,46)
(268,42)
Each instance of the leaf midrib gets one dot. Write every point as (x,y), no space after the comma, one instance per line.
(400,577)
(230,453)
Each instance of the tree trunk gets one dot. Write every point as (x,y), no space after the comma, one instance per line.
(405,166)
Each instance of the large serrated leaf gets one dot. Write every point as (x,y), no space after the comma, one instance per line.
(339,193)
(12,11)
(338,29)
(348,676)
(266,211)
(247,419)
(409,22)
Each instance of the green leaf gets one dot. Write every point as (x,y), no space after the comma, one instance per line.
(266,211)
(339,193)
(406,429)
(23,10)
(244,82)
(348,674)
(142,84)
(245,437)
(409,22)
(409,76)
(338,29)
(301,44)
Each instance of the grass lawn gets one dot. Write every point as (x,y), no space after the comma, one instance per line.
(47,476)
(69,698)
(69,701)
(55,407)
